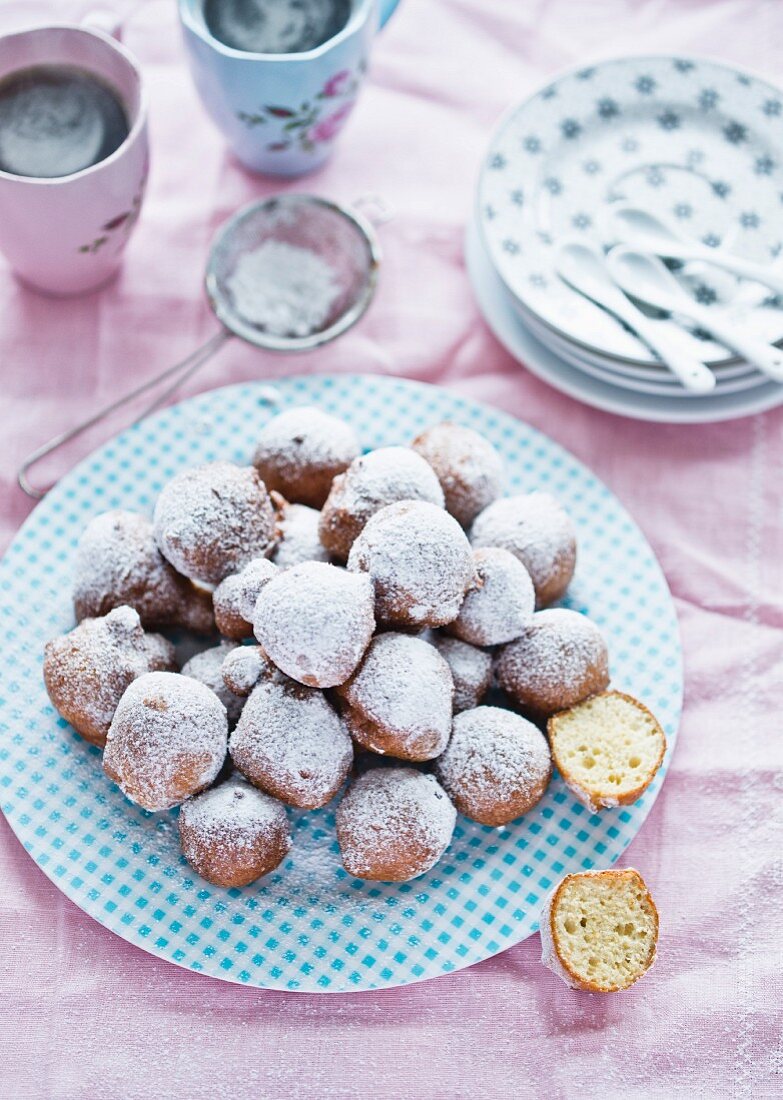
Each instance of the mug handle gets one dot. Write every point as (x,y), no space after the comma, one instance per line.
(386,9)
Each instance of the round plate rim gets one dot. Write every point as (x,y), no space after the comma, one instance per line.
(652,389)
(261,386)
(728,369)
(662,386)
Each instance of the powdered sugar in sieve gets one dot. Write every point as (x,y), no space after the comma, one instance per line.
(292,272)
(284,289)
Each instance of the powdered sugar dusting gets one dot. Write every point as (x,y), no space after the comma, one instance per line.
(303,441)
(87,671)
(243,668)
(471,669)
(405,688)
(234,815)
(167,740)
(299,538)
(235,597)
(283,288)
(420,560)
(384,476)
(118,563)
(291,743)
(468,467)
(207,668)
(539,531)
(394,815)
(501,608)
(211,520)
(495,759)
(553,660)
(371,482)
(315,622)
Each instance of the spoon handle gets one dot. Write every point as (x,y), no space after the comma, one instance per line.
(585,269)
(694,375)
(746,269)
(766,357)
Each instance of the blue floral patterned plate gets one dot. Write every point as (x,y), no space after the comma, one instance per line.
(309,926)
(691,140)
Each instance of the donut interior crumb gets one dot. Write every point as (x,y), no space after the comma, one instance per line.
(608,748)
(605,928)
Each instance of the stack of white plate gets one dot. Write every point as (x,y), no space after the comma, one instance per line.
(696,143)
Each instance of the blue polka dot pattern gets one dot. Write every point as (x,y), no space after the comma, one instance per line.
(309,926)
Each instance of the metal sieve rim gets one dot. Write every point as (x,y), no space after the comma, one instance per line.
(231,320)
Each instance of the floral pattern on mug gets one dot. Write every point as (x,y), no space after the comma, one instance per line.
(336,85)
(124,221)
(312,123)
(329,127)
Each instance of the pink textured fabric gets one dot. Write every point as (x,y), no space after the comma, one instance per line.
(87,1015)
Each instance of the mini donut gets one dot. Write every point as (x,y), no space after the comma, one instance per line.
(118,564)
(496,767)
(469,469)
(372,481)
(607,749)
(212,520)
(299,538)
(243,667)
(301,451)
(291,743)
(234,599)
(502,606)
(399,701)
(599,929)
(394,824)
(420,562)
(207,668)
(233,834)
(560,660)
(315,621)
(167,740)
(471,670)
(87,671)
(537,530)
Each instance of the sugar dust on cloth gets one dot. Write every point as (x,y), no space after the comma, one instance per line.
(284,289)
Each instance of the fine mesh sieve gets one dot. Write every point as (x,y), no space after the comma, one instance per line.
(340,237)
(315,263)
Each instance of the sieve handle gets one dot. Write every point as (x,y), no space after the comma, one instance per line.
(180,372)
(374,208)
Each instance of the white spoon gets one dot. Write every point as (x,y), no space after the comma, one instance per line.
(647,278)
(584,269)
(649,233)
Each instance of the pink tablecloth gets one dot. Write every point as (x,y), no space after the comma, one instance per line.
(86,1015)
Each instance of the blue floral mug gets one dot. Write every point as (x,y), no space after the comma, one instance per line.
(281,112)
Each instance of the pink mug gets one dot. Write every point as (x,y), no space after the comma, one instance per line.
(66,235)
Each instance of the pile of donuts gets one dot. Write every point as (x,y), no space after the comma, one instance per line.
(386,632)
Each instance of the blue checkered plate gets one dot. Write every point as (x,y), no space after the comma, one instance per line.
(309,926)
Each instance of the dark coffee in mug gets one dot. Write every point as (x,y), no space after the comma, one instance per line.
(275,26)
(56,120)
